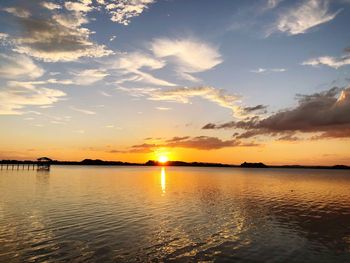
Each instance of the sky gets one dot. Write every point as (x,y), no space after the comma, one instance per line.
(211,81)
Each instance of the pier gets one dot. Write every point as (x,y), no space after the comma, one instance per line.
(42,163)
(18,166)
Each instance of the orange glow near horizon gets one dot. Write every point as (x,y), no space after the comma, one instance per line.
(270,153)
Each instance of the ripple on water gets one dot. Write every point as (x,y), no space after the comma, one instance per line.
(87,214)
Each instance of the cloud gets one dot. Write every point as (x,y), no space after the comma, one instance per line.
(256,108)
(289,138)
(273,3)
(326,112)
(185,94)
(186,55)
(18,66)
(3,36)
(58,36)
(266,70)
(17,11)
(47,81)
(82,6)
(122,11)
(132,67)
(189,55)
(103,93)
(88,112)
(198,143)
(332,62)
(307,15)
(17,95)
(52,41)
(50,5)
(163,108)
(89,76)
(202,143)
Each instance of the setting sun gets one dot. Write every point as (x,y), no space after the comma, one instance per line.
(163,159)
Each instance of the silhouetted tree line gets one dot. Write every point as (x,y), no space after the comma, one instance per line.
(173,163)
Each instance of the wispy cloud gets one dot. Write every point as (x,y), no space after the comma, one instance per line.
(189,55)
(333,62)
(103,93)
(185,94)
(88,112)
(15,96)
(307,15)
(17,11)
(268,70)
(19,66)
(206,143)
(89,76)
(163,108)
(273,3)
(132,68)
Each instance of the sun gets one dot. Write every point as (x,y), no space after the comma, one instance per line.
(163,159)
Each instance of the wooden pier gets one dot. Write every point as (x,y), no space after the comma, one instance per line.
(18,166)
(42,163)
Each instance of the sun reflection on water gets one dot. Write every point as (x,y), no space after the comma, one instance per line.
(163,179)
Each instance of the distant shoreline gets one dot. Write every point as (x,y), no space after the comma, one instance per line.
(90,162)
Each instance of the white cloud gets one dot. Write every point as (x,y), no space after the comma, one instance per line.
(333,62)
(185,94)
(89,76)
(112,38)
(132,67)
(163,108)
(267,70)
(305,16)
(17,95)
(189,55)
(50,5)
(3,36)
(88,112)
(17,11)
(18,66)
(103,93)
(122,11)
(47,81)
(278,70)
(60,81)
(82,6)
(259,70)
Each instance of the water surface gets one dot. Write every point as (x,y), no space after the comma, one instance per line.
(128,214)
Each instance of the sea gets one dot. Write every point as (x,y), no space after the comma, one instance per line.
(179,214)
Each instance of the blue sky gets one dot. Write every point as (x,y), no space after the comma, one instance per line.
(110,71)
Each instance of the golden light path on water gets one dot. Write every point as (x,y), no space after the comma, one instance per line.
(163,179)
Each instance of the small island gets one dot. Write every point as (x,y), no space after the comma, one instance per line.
(253,165)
